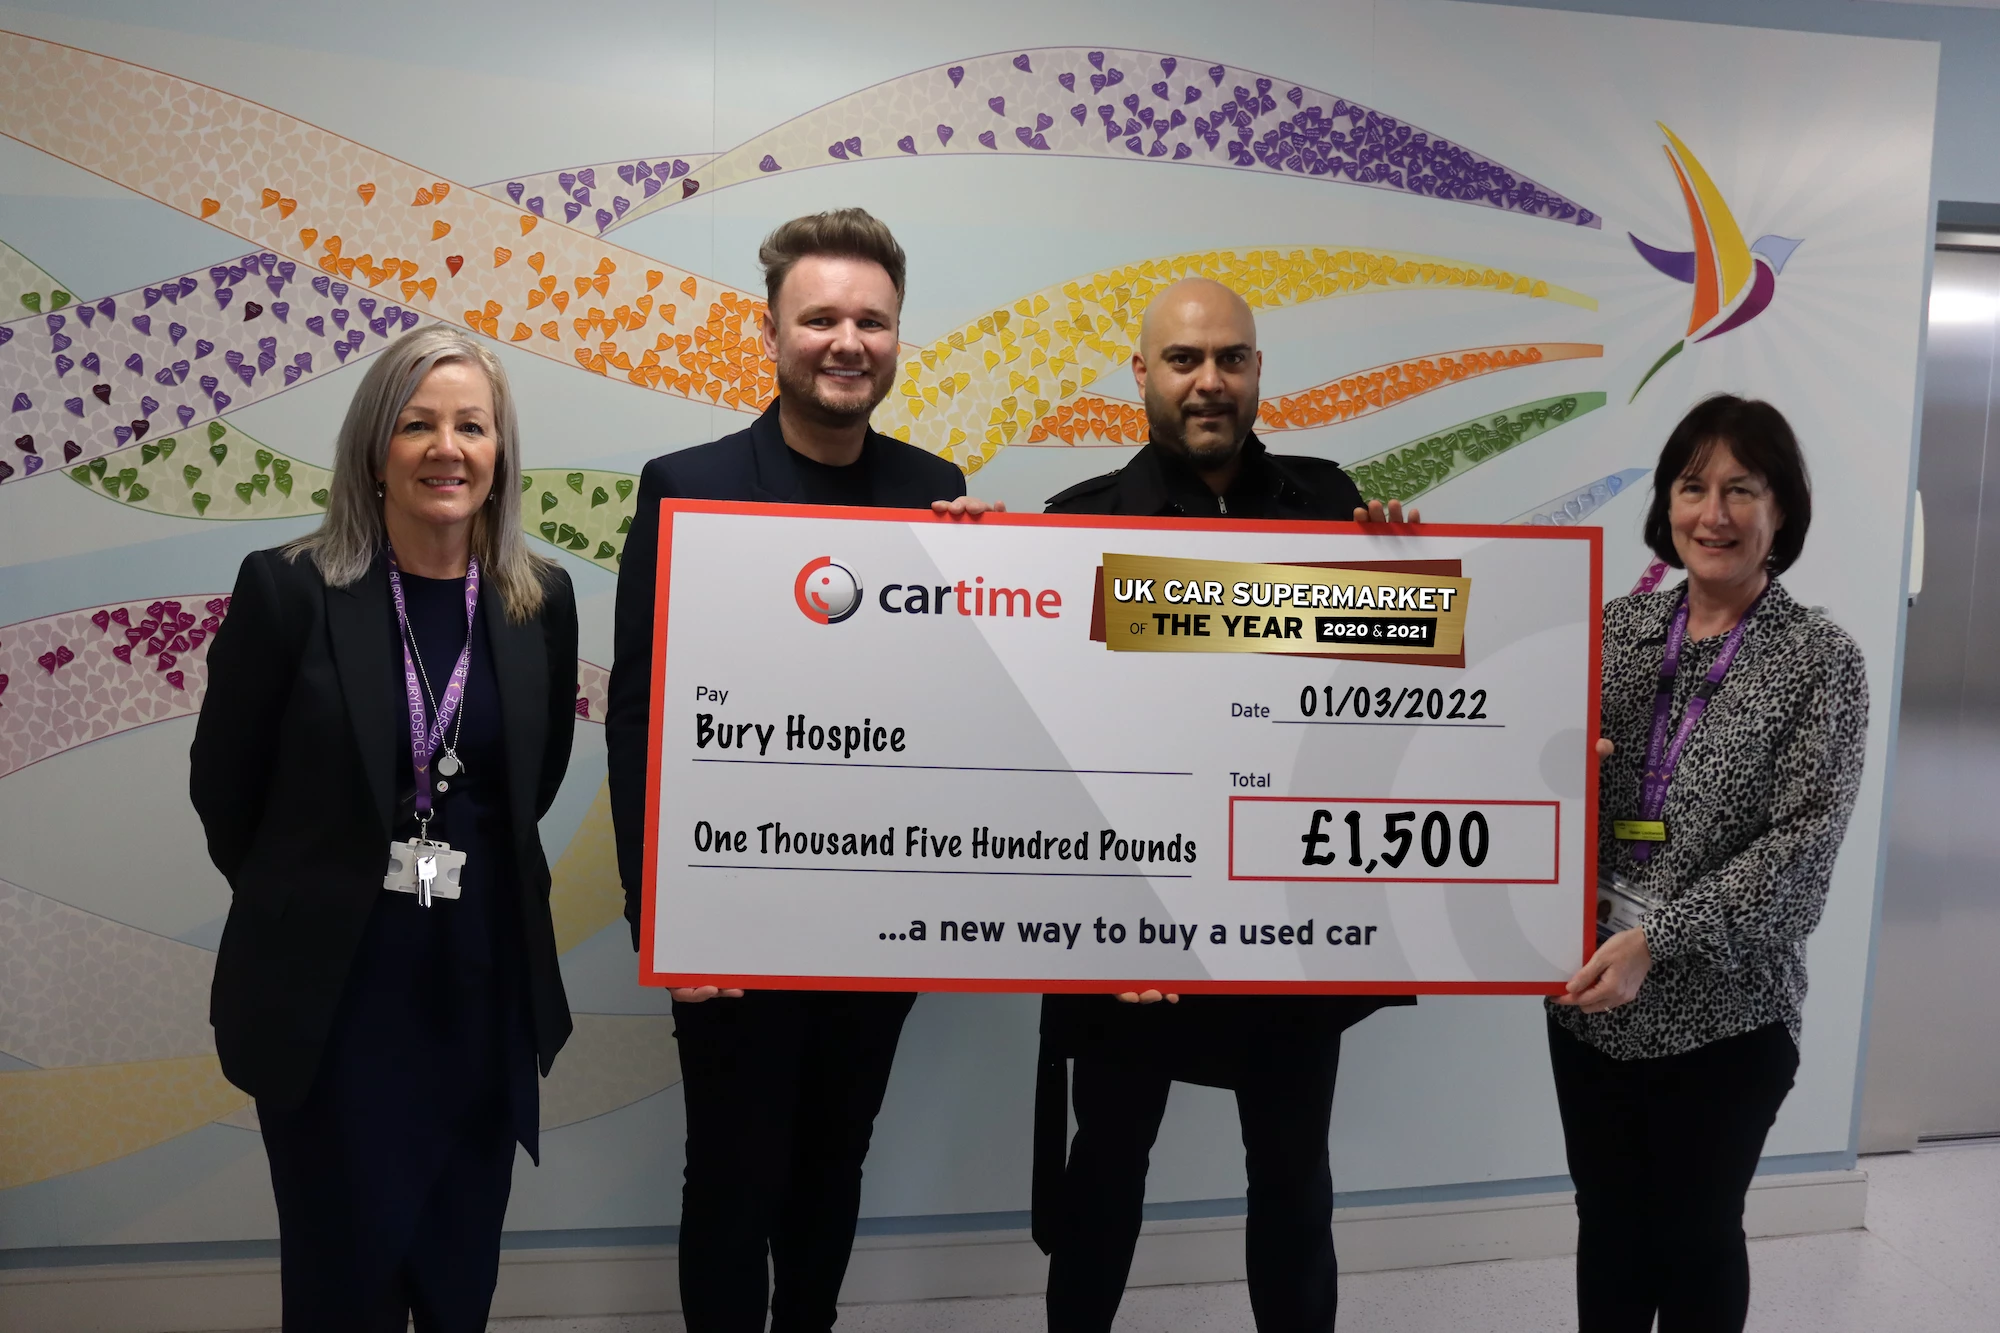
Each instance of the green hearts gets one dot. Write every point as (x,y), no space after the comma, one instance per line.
(625,526)
(149,452)
(548,532)
(136,494)
(81,473)
(200,503)
(218,452)
(624,487)
(262,483)
(319,498)
(263,459)
(565,534)
(575,481)
(111,484)
(598,496)
(167,447)
(283,481)
(32,300)
(548,502)
(244,490)
(190,474)
(97,466)
(59,299)
(281,465)
(527,483)
(216,430)
(605,550)
(578,542)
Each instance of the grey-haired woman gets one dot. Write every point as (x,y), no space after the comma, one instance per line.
(389,713)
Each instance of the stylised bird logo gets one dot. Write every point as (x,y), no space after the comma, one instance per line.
(1733,282)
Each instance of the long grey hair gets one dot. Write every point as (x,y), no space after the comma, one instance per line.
(352,535)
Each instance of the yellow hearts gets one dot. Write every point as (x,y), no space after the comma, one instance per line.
(931,392)
(1021,307)
(521,332)
(501,254)
(957,340)
(992,360)
(367,192)
(307,236)
(528,221)
(930,358)
(270,197)
(1068,388)
(209,207)
(1015,379)
(961,379)
(440,229)
(1088,375)
(957,438)
(535,263)
(654,278)
(552,331)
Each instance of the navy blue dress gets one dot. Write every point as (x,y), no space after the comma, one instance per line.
(392,1178)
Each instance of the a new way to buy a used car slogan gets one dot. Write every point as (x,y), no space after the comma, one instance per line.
(1036,753)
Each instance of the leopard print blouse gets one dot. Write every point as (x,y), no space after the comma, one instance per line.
(1755,818)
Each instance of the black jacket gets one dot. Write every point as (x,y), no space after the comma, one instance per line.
(293,772)
(1211,1039)
(751,465)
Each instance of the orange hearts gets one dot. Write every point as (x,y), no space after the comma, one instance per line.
(561,300)
(501,254)
(409,267)
(688,286)
(409,289)
(536,296)
(209,207)
(535,263)
(528,221)
(286,206)
(333,244)
(645,305)
(346,267)
(521,331)
(440,229)
(493,308)
(667,313)
(270,197)
(367,191)
(454,263)
(429,287)
(552,332)
(439,190)
(582,286)
(605,266)
(307,236)
(654,278)
(583,326)
(548,283)
(602,283)
(423,197)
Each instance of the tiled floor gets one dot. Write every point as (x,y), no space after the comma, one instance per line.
(1929,1260)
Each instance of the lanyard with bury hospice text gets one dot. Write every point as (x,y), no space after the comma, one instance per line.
(425,741)
(1661,758)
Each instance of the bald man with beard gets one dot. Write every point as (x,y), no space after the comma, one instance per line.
(1197,367)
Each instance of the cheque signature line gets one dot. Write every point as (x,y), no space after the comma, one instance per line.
(886,870)
(952,768)
(1309,722)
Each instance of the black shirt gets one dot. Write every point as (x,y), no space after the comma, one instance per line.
(822,484)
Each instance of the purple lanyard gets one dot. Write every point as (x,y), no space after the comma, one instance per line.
(1662,759)
(424,741)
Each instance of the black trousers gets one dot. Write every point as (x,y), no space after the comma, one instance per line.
(782,1090)
(1285,1109)
(1662,1152)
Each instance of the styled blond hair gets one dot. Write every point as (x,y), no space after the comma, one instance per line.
(352,535)
(841,233)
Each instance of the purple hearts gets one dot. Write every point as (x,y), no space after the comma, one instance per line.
(366,304)
(944,133)
(247,373)
(838,150)
(123,434)
(1043,120)
(59,342)
(986,137)
(1263,86)
(71,451)
(354,337)
(907,143)
(219,274)
(1021,63)
(1080,112)
(1178,119)
(381,326)
(535,205)
(999,105)
(567,180)
(283,310)
(31,465)
(86,314)
(176,332)
(1294,96)
(652,186)
(1167,65)
(152,297)
(603,218)
(319,284)
(340,317)
(135,364)
(222,401)
(208,383)
(234,358)
(1192,95)
(1030,139)
(202,347)
(340,349)
(187,285)
(514,189)
(1160,90)
(222,295)
(955,73)
(1096,59)
(143,323)
(148,405)
(75,405)
(1067,80)
(1132,102)
(164,376)
(680,169)
(317,325)
(236,273)
(265,360)
(186,414)
(572,208)
(619,204)
(268,260)
(391,313)
(340,291)
(6,335)
(276,284)
(56,323)
(1215,73)
(287,269)
(292,374)
(1097,83)
(63,366)
(588,176)
(409,320)
(581,195)
(303,360)
(628,172)
(768,164)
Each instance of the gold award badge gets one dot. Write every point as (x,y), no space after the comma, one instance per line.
(1161,604)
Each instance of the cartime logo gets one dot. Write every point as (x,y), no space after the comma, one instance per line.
(827,591)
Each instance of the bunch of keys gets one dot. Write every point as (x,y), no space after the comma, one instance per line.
(430,870)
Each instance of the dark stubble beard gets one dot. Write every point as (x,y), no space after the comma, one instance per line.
(798,384)
(1169,430)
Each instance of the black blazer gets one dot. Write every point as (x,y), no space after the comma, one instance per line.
(751,465)
(293,773)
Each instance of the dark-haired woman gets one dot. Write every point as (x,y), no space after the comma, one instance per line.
(1737,719)
(389,713)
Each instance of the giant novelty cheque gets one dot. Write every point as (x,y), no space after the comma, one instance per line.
(1051,753)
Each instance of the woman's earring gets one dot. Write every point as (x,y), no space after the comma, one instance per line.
(381,490)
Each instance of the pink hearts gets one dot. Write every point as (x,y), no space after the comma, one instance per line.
(122,616)
(155,644)
(3,682)
(134,635)
(166,660)
(101,619)
(195,637)
(63,655)
(219,606)
(48,661)
(175,679)
(123,652)
(180,643)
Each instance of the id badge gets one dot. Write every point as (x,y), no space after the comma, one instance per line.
(427,869)
(1620,906)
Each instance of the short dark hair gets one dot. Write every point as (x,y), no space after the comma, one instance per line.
(1762,440)
(841,233)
